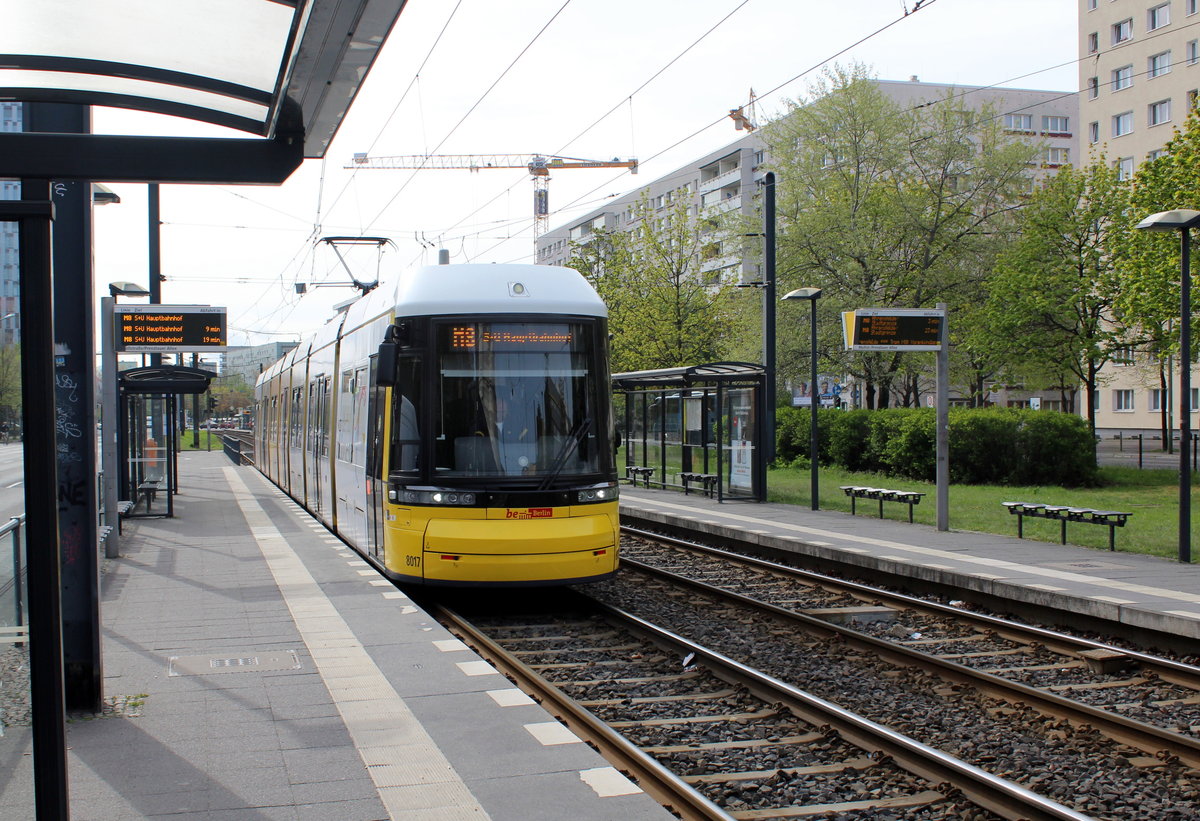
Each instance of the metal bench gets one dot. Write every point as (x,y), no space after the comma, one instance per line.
(708,481)
(1065,513)
(907,497)
(148,489)
(632,472)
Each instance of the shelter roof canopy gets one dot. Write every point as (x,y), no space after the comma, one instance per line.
(268,67)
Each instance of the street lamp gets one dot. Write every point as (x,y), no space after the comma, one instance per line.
(126,289)
(811,295)
(1181,220)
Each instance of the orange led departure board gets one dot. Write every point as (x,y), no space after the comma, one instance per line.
(514,338)
(894,329)
(169,328)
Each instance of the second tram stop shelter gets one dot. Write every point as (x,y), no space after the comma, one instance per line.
(148,436)
(697,428)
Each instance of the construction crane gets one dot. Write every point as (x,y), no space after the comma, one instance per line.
(538,165)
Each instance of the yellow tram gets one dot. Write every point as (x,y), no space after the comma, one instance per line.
(455,427)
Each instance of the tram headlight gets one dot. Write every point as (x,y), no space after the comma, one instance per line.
(411,496)
(599,493)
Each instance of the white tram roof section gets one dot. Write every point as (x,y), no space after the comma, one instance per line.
(439,290)
(470,289)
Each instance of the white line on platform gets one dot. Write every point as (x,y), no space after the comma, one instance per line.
(477,668)
(512,697)
(375,723)
(551,733)
(607,782)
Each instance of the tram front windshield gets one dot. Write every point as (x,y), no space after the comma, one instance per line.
(518,399)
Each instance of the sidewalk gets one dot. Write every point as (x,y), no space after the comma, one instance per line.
(258,670)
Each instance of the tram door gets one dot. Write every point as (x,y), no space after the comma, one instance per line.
(318,437)
(376,487)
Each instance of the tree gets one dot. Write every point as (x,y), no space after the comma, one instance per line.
(231,394)
(10,384)
(1050,306)
(661,311)
(881,206)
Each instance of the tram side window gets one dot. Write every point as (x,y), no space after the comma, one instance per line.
(345,401)
(297,435)
(406,437)
(359,422)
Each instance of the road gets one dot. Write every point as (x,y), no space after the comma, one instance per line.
(12,503)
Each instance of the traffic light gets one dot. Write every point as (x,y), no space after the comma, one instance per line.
(212,403)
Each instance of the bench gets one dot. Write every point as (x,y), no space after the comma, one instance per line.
(102,534)
(123,508)
(632,472)
(1065,513)
(907,497)
(708,481)
(14,635)
(149,489)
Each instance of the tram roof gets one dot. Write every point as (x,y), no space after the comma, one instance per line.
(285,70)
(711,373)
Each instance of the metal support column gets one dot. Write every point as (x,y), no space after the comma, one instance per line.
(36,213)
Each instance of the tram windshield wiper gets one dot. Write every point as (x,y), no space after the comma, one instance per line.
(568,447)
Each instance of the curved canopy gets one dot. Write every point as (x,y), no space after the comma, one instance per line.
(710,373)
(165,379)
(273,68)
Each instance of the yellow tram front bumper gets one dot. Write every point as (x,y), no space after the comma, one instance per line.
(500,545)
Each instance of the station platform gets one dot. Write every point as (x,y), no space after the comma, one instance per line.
(259,670)
(1129,591)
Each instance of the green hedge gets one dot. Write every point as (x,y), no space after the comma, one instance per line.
(998,446)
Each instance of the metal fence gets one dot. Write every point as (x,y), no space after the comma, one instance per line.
(13,590)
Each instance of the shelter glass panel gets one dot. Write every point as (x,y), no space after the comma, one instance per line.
(738,446)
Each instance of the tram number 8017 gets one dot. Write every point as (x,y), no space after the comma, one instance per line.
(412,561)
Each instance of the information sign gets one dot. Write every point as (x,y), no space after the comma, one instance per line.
(169,328)
(894,329)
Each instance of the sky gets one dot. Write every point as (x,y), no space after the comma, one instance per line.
(594,79)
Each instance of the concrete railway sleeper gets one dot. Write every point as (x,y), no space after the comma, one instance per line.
(1073,681)
(749,745)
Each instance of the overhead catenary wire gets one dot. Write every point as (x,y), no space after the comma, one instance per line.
(922,4)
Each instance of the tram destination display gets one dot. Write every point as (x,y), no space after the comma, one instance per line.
(169,328)
(894,329)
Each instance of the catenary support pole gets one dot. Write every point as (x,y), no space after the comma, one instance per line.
(41,512)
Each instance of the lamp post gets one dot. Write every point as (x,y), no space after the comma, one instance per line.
(1182,220)
(811,295)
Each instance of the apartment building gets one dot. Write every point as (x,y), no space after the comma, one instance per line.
(729,178)
(248,361)
(10,272)
(1139,70)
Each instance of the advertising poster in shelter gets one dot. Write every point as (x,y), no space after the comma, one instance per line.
(828,392)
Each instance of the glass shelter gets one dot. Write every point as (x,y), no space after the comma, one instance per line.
(698,429)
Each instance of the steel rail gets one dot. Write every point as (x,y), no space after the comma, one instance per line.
(1053,639)
(1003,797)
(665,786)
(1156,741)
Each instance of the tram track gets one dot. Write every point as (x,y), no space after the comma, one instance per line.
(711,737)
(1147,701)
(1119,767)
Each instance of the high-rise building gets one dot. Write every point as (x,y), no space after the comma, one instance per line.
(727,179)
(10,272)
(248,361)
(1139,69)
